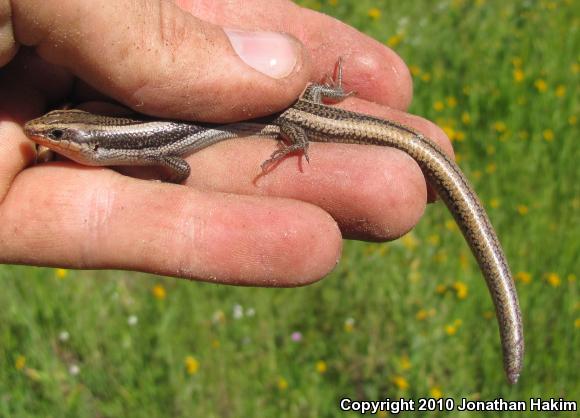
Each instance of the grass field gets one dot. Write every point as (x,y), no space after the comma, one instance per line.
(407,319)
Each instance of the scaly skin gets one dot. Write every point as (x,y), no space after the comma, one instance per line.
(99,140)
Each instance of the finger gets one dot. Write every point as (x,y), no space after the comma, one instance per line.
(96,218)
(372,70)
(374,193)
(157,59)
(16,153)
(8,45)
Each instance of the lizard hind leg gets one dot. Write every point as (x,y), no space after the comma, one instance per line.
(331,90)
(298,142)
(177,168)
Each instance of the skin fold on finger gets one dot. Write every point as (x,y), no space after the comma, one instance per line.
(371,69)
(96,218)
(157,59)
(374,193)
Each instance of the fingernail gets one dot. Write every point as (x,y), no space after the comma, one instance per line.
(270,53)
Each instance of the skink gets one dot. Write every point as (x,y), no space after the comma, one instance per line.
(102,140)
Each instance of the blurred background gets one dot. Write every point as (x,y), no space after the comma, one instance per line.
(411,318)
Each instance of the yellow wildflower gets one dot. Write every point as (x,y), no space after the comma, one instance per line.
(421,314)
(494,203)
(410,242)
(215,343)
(333,2)
(395,40)
(460,290)
(572,120)
(282,383)
(450,329)
(426,77)
(577,323)
(490,150)
(415,70)
(491,168)
(159,292)
(517,62)
(518,75)
(466,118)
(61,273)
(433,239)
(459,136)
(523,209)
(560,91)
(450,225)
(541,85)
(218,317)
(524,277)
(575,68)
(349,325)
(191,365)
(441,288)
(449,131)
(451,101)
(405,362)
(20,362)
(548,135)
(401,383)
(435,392)
(438,105)
(321,366)
(374,13)
(554,279)
(499,126)
(477,174)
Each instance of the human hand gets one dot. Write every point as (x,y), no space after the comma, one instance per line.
(229,224)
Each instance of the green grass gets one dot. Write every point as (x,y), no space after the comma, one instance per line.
(389,322)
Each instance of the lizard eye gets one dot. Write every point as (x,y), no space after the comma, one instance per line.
(56,134)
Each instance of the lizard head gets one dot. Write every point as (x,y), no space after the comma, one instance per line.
(63,131)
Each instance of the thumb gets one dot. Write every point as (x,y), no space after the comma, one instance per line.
(158,59)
